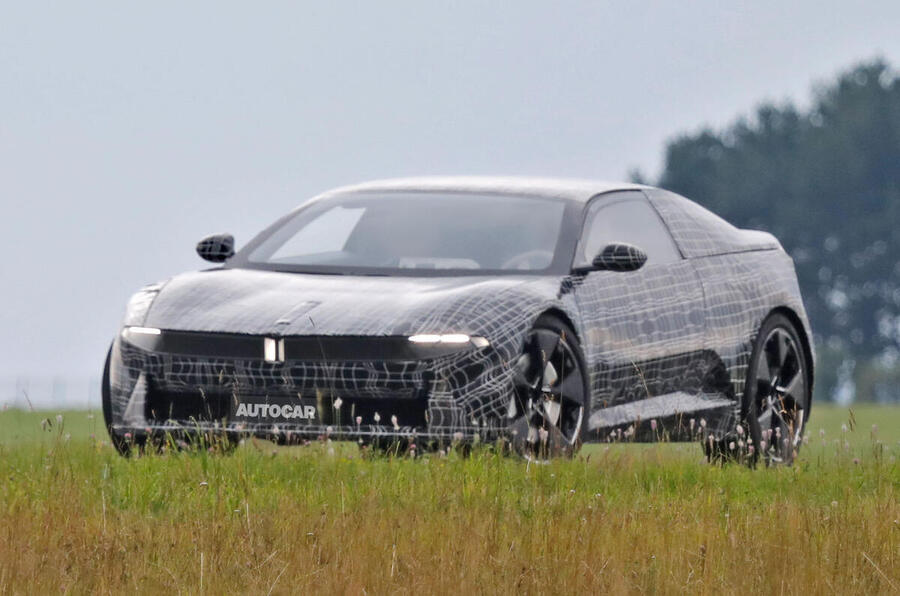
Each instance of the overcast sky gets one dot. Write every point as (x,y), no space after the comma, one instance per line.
(130,130)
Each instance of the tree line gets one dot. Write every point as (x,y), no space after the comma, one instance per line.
(826,181)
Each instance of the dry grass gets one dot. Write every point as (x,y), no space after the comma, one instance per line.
(76,518)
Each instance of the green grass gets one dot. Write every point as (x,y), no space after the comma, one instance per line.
(650,519)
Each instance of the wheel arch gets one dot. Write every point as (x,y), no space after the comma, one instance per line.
(561,315)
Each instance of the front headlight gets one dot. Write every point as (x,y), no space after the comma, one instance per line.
(139,305)
(449,338)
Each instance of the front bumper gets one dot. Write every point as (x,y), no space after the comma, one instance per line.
(361,387)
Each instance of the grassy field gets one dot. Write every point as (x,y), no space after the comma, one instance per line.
(75,517)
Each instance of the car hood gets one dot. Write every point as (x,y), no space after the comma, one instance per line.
(276,303)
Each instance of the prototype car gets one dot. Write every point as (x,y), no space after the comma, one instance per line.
(542,312)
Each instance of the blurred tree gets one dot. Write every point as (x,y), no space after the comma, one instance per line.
(826,182)
(637,176)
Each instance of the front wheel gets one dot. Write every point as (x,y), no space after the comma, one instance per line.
(122,443)
(777,393)
(127,444)
(550,385)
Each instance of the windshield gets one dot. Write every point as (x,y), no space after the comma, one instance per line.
(404,232)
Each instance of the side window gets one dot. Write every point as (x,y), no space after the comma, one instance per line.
(626,217)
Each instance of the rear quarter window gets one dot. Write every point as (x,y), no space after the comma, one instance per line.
(698,231)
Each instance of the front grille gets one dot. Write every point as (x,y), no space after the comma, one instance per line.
(354,379)
(187,406)
(195,377)
(408,412)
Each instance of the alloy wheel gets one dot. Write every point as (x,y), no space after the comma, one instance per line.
(781,395)
(550,391)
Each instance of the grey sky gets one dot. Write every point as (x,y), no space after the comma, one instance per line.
(128,131)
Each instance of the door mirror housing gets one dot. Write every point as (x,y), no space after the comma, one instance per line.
(617,257)
(217,248)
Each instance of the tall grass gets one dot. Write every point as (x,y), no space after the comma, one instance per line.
(648,519)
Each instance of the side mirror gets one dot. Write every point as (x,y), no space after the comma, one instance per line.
(216,248)
(618,257)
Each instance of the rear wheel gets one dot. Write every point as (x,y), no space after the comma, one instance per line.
(777,393)
(547,410)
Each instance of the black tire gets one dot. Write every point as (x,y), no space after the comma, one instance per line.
(121,443)
(548,411)
(777,396)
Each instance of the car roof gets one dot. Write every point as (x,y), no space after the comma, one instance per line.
(566,188)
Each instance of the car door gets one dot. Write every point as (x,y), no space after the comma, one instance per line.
(644,329)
